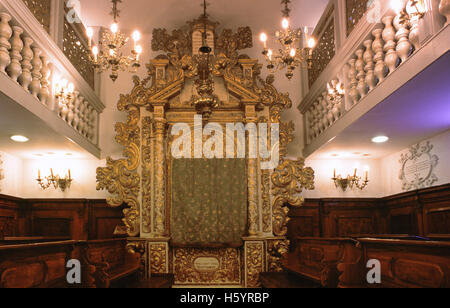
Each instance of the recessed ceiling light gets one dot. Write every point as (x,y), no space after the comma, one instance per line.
(19,138)
(380,139)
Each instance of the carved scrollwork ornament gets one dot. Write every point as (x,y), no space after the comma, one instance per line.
(417,167)
(288,181)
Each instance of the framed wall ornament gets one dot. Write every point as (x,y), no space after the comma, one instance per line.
(417,167)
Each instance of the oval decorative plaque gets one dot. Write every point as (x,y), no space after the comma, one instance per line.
(206,264)
(417,167)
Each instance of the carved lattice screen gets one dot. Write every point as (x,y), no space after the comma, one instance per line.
(209,202)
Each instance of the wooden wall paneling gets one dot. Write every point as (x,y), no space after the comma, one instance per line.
(436,210)
(103,219)
(305,220)
(404,214)
(350,217)
(60,217)
(12,217)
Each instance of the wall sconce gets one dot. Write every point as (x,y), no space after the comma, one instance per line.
(55,181)
(413,11)
(351,181)
(64,91)
(336,91)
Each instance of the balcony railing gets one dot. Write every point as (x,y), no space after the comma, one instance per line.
(32,61)
(361,48)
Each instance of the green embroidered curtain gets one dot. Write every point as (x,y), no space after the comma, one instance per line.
(209,201)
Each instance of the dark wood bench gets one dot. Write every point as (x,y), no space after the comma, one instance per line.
(110,261)
(41,265)
(404,263)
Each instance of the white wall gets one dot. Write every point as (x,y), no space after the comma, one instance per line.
(12,170)
(325,187)
(383,174)
(391,166)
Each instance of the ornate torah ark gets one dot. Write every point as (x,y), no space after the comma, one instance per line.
(225,87)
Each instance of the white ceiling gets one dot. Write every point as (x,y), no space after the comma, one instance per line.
(44,142)
(144,15)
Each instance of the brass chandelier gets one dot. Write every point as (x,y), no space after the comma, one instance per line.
(109,54)
(290,55)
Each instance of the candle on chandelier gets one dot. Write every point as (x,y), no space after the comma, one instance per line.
(39,174)
(114,28)
(293,52)
(138,50)
(285,24)
(334,174)
(311,43)
(136,37)
(263,38)
(70,176)
(269,54)
(95,53)
(51,171)
(90,35)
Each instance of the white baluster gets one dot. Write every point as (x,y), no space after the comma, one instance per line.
(362,87)
(414,32)
(94,126)
(404,47)
(35,86)
(444,9)
(15,68)
(391,58)
(44,93)
(377,46)
(76,107)
(368,59)
(81,116)
(89,133)
(5,35)
(352,73)
(71,106)
(27,55)
(325,122)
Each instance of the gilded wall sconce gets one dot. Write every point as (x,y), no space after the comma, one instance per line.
(55,181)
(64,92)
(351,181)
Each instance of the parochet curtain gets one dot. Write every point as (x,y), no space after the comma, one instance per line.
(209,201)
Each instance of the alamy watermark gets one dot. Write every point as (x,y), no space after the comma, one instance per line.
(374,11)
(73,15)
(235,145)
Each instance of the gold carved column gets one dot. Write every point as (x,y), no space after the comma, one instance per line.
(160,130)
(252,187)
(254,262)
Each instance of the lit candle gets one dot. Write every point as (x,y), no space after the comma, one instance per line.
(285,24)
(263,38)
(136,38)
(70,176)
(51,171)
(95,53)
(39,174)
(334,173)
(138,51)
(356,171)
(367,175)
(90,34)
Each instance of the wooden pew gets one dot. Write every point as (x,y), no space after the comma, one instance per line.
(111,261)
(404,264)
(41,265)
(317,258)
